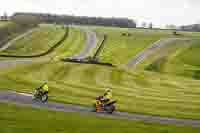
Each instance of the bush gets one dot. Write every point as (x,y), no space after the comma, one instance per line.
(152,67)
(196,75)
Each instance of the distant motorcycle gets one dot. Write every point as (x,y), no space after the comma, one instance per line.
(40,95)
(103,106)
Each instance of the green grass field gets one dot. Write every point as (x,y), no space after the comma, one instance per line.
(136,90)
(2,23)
(37,42)
(44,38)
(179,58)
(10,30)
(142,92)
(19,119)
(119,49)
(72,45)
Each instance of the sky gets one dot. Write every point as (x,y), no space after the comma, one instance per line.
(159,12)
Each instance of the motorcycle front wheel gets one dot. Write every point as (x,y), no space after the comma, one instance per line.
(111,109)
(44,98)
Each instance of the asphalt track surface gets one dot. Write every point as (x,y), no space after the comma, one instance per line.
(26,99)
(147,51)
(89,44)
(13,62)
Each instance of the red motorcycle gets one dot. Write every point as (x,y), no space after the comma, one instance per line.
(103,105)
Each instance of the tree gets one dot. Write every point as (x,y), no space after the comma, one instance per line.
(196,27)
(150,25)
(4,17)
(144,24)
(84,20)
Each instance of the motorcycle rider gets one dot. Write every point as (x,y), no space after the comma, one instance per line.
(105,102)
(45,88)
(107,97)
(41,93)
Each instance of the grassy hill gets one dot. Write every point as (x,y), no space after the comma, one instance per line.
(140,92)
(10,30)
(137,91)
(179,58)
(72,45)
(45,37)
(36,42)
(118,48)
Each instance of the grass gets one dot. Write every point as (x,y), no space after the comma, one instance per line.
(2,23)
(19,119)
(159,53)
(119,49)
(116,43)
(142,92)
(181,58)
(37,42)
(10,30)
(72,45)
(138,91)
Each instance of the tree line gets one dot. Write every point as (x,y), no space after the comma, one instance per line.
(82,20)
(194,27)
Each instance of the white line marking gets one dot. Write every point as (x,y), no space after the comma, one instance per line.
(25,94)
